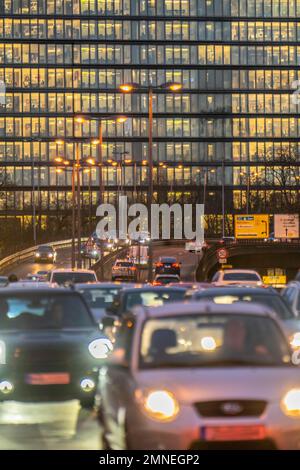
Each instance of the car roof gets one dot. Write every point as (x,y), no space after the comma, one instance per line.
(31,288)
(173,276)
(167,257)
(236,290)
(250,271)
(204,308)
(98,285)
(145,288)
(70,270)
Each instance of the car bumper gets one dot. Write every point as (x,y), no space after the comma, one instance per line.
(186,431)
(23,391)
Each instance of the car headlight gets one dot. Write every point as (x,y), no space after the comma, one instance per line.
(291,402)
(37,255)
(50,255)
(295,340)
(160,405)
(100,348)
(2,353)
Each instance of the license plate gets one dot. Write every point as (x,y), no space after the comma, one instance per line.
(233,433)
(167,265)
(53,378)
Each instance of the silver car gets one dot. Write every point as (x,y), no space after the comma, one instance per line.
(200,376)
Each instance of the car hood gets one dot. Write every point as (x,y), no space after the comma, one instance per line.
(39,341)
(200,384)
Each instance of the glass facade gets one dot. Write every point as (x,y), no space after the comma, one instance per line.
(236,59)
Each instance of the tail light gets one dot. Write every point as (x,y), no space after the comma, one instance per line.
(156,283)
(175,265)
(133,268)
(159,265)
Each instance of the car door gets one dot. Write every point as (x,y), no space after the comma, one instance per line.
(116,388)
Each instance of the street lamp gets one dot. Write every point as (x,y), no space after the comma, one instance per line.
(76,165)
(100,120)
(130,88)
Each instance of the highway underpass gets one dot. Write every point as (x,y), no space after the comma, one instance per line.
(253,254)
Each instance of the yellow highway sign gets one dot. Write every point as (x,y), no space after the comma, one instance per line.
(251,226)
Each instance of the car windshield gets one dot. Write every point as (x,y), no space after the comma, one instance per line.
(274,302)
(153,298)
(74,278)
(212,341)
(45,248)
(100,297)
(35,311)
(168,260)
(241,277)
(166,280)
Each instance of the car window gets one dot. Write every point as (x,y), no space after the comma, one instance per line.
(240,277)
(124,264)
(166,280)
(73,277)
(45,248)
(215,277)
(99,298)
(274,302)
(153,298)
(35,311)
(212,340)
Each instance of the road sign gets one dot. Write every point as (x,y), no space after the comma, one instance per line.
(223,260)
(274,280)
(286,225)
(251,226)
(222,254)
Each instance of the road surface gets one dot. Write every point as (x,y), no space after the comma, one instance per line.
(63,425)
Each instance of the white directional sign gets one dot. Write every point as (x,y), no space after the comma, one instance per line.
(286,225)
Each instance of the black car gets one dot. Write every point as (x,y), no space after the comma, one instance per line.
(45,253)
(167,265)
(51,347)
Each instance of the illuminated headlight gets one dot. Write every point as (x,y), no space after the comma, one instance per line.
(116,240)
(295,340)
(6,387)
(291,403)
(100,348)
(2,353)
(161,405)
(37,255)
(50,255)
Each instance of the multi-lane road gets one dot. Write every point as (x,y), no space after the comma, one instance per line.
(63,425)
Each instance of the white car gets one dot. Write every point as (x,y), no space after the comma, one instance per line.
(239,277)
(71,276)
(200,376)
(124,269)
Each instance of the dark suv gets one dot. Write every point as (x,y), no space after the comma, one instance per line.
(167,265)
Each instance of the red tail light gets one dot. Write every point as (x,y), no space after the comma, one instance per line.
(133,268)
(156,283)
(175,265)
(159,265)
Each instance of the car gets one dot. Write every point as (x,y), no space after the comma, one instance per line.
(272,238)
(164,279)
(196,247)
(291,293)
(124,269)
(51,346)
(148,295)
(227,240)
(167,265)
(200,376)
(99,296)
(42,275)
(268,297)
(71,276)
(4,281)
(90,252)
(45,253)
(237,276)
